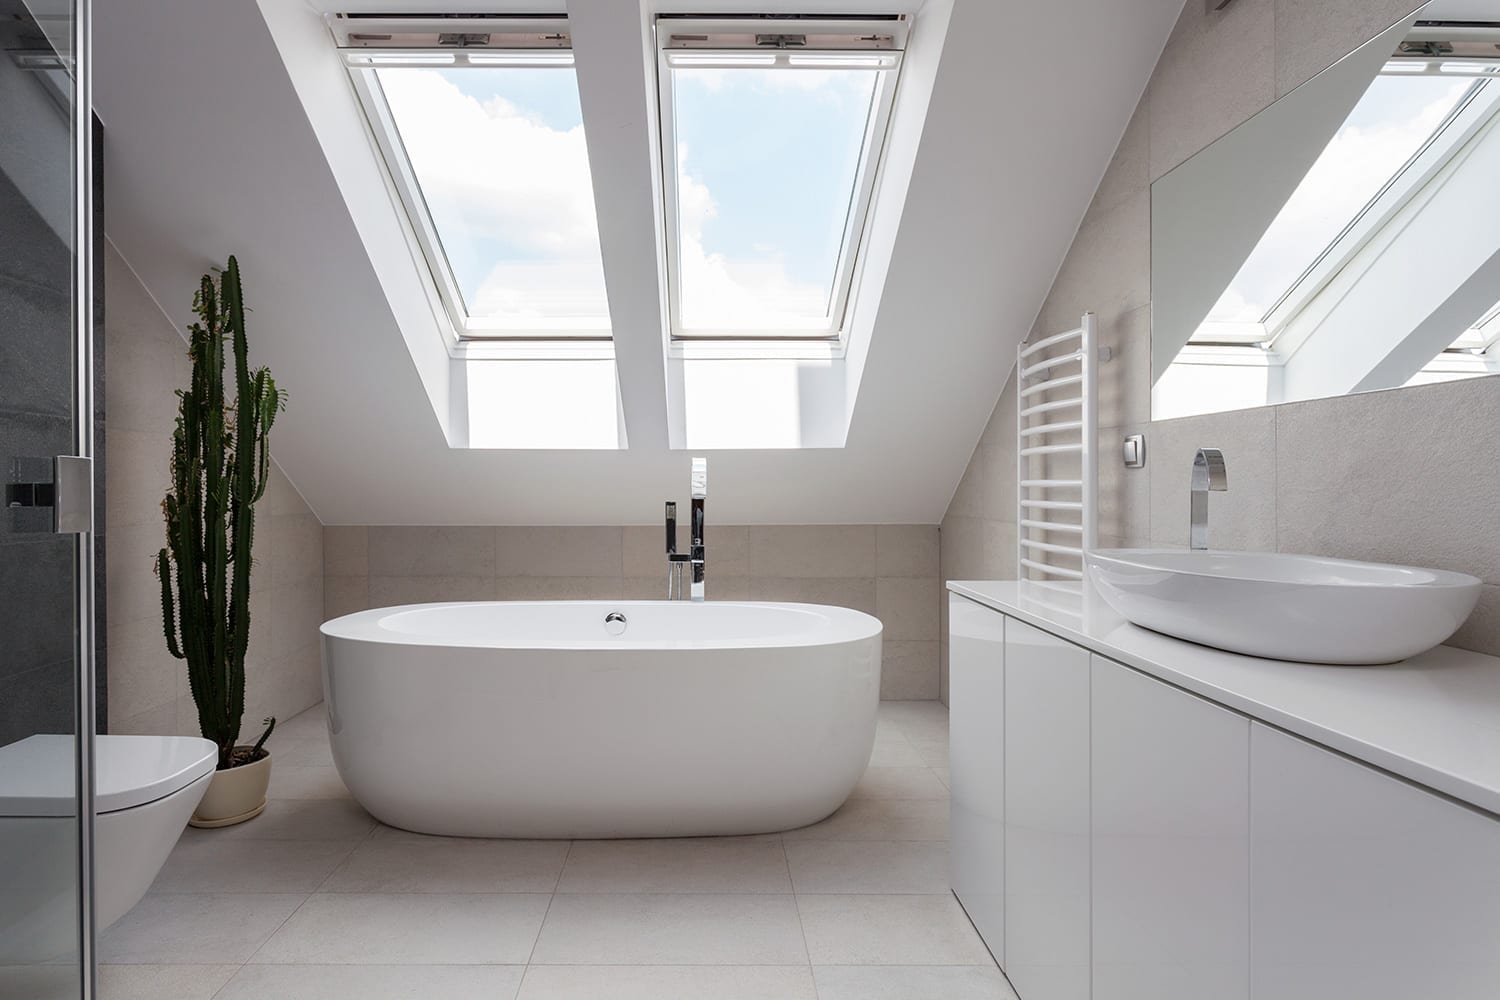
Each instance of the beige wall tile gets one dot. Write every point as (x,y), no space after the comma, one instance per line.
(296,613)
(1482,631)
(1125,494)
(856,593)
(1125,379)
(1129,171)
(908,607)
(387,591)
(296,547)
(908,670)
(431,551)
(558,551)
(818,550)
(130,572)
(560,588)
(906,550)
(1108,269)
(1244,517)
(346,550)
(344,595)
(141,673)
(1218,69)
(1312,35)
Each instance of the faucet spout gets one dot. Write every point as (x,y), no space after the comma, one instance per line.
(1208,475)
(696,548)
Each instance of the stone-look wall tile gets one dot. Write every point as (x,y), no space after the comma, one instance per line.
(1125,379)
(1244,517)
(1129,171)
(856,593)
(431,551)
(906,670)
(559,588)
(344,595)
(148,690)
(1218,69)
(1393,477)
(812,550)
(346,550)
(1312,35)
(1000,431)
(1108,270)
(1482,631)
(388,591)
(908,607)
(1125,494)
(906,550)
(558,551)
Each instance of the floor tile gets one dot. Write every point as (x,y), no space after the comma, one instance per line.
(917,720)
(889,930)
(895,753)
(934,752)
(298,819)
(162,982)
(945,776)
(38,982)
(311,724)
(312,752)
(209,864)
(904,866)
(675,866)
(408,929)
(373,982)
(884,982)
(190,928)
(668,982)
(291,782)
(660,929)
(899,783)
(880,819)
(441,864)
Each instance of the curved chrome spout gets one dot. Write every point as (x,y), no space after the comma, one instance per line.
(1208,474)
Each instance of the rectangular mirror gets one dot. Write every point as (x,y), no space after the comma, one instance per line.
(1345,239)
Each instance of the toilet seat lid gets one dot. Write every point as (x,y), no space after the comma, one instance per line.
(37,776)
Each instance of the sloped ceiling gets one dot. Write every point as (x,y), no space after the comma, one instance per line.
(208,151)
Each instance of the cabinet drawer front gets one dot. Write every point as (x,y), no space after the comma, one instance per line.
(1365,886)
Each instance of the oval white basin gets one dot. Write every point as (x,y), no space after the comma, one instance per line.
(1285,607)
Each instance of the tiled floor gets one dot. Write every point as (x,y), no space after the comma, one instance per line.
(314,899)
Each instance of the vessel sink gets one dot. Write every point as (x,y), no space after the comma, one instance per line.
(1285,607)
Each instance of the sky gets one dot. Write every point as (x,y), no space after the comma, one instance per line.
(766,163)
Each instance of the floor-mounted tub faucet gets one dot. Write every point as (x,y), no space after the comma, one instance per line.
(1208,474)
(694,557)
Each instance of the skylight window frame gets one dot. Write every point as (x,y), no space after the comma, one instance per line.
(541,41)
(728,43)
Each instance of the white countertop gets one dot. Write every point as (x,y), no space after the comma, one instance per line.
(1433,719)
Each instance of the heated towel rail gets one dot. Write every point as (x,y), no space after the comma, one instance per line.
(1057,420)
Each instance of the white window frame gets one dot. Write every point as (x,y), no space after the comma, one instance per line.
(830,43)
(366,45)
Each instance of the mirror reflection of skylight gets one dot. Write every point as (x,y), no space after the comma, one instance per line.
(500,165)
(1398,116)
(768,161)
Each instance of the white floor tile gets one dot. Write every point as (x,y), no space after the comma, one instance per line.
(947,982)
(934,752)
(311,724)
(668,982)
(880,819)
(196,928)
(893,753)
(297,819)
(311,752)
(659,929)
(841,866)
(441,864)
(373,982)
(917,720)
(293,782)
(162,982)
(209,864)
(889,930)
(899,783)
(675,866)
(408,929)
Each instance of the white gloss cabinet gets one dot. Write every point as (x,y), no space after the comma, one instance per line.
(1046,753)
(1170,817)
(1365,886)
(976,684)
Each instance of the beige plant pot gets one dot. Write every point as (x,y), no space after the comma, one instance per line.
(234,795)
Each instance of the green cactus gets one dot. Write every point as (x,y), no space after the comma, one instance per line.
(220,464)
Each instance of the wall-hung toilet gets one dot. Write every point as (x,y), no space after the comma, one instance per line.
(146,787)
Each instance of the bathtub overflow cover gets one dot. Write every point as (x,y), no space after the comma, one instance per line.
(614,623)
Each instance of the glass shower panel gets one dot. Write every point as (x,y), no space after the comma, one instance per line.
(43,818)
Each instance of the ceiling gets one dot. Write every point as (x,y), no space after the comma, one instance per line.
(209,150)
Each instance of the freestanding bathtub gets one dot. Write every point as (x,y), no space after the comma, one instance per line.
(533,719)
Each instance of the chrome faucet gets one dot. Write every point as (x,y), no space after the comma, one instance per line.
(694,557)
(1208,474)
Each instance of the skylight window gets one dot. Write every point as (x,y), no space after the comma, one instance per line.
(480,126)
(771,132)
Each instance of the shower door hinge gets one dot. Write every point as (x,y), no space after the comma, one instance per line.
(69,494)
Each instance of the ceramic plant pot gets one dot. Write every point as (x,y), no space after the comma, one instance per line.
(235,795)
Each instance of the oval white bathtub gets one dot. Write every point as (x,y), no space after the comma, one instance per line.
(528,719)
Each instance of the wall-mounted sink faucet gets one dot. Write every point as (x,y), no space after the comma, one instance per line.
(1208,474)
(694,558)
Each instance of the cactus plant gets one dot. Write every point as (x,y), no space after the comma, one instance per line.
(220,464)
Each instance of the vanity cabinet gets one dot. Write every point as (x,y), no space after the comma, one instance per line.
(1046,741)
(1171,853)
(1366,886)
(976,682)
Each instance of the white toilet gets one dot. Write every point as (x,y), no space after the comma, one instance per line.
(146,787)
